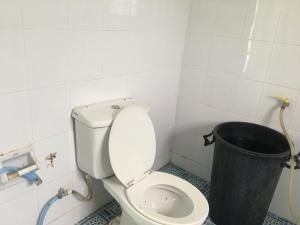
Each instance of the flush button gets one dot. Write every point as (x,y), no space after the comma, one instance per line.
(115,107)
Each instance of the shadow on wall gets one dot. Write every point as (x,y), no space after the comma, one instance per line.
(189,151)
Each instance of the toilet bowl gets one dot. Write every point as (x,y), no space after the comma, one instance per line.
(167,199)
(160,198)
(146,197)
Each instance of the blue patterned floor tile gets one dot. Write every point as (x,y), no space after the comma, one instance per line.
(113,209)
(275,220)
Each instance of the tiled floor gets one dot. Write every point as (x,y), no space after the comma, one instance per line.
(112,209)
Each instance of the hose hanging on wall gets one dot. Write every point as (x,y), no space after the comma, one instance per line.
(285,103)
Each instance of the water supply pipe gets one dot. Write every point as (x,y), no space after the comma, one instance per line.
(285,103)
(62,192)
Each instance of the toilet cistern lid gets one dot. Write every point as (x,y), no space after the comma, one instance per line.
(132,145)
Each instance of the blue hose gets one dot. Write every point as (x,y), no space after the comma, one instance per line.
(32,177)
(45,209)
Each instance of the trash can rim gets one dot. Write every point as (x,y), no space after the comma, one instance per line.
(248,152)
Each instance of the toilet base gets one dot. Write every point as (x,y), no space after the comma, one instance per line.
(123,219)
(115,221)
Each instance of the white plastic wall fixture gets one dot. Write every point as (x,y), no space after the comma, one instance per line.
(12,157)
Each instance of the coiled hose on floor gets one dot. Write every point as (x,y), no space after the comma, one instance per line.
(63,193)
(292,168)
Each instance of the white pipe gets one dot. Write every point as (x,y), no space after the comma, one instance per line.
(21,172)
(27,170)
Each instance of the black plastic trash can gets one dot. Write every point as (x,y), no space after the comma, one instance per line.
(246,169)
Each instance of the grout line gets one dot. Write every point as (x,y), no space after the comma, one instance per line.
(283,7)
(242,38)
(243,78)
(187,158)
(58,218)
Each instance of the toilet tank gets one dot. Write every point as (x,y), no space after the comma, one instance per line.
(92,127)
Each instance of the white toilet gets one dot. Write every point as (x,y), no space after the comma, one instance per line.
(115,142)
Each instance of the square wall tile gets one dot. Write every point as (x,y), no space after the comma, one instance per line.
(161,160)
(63,164)
(181,14)
(295,119)
(10,13)
(233,94)
(167,49)
(144,51)
(12,61)
(197,51)
(100,90)
(50,111)
(67,219)
(253,59)
(15,191)
(15,129)
(155,51)
(174,48)
(262,19)
(230,19)
(191,166)
(189,143)
(7,214)
(289,23)
(84,14)
(116,53)
(120,14)
(200,116)
(285,67)
(224,55)
(191,84)
(44,13)
(142,86)
(163,123)
(203,16)
(46,51)
(27,204)
(163,15)
(141,16)
(84,55)
(87,208)
(142,44)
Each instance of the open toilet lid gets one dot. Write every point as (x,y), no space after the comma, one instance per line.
(132,144)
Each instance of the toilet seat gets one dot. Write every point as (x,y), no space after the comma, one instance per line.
(199,208)
(132,148)
(132,145)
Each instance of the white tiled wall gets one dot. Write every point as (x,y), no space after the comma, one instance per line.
(238,53)
(58,54)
